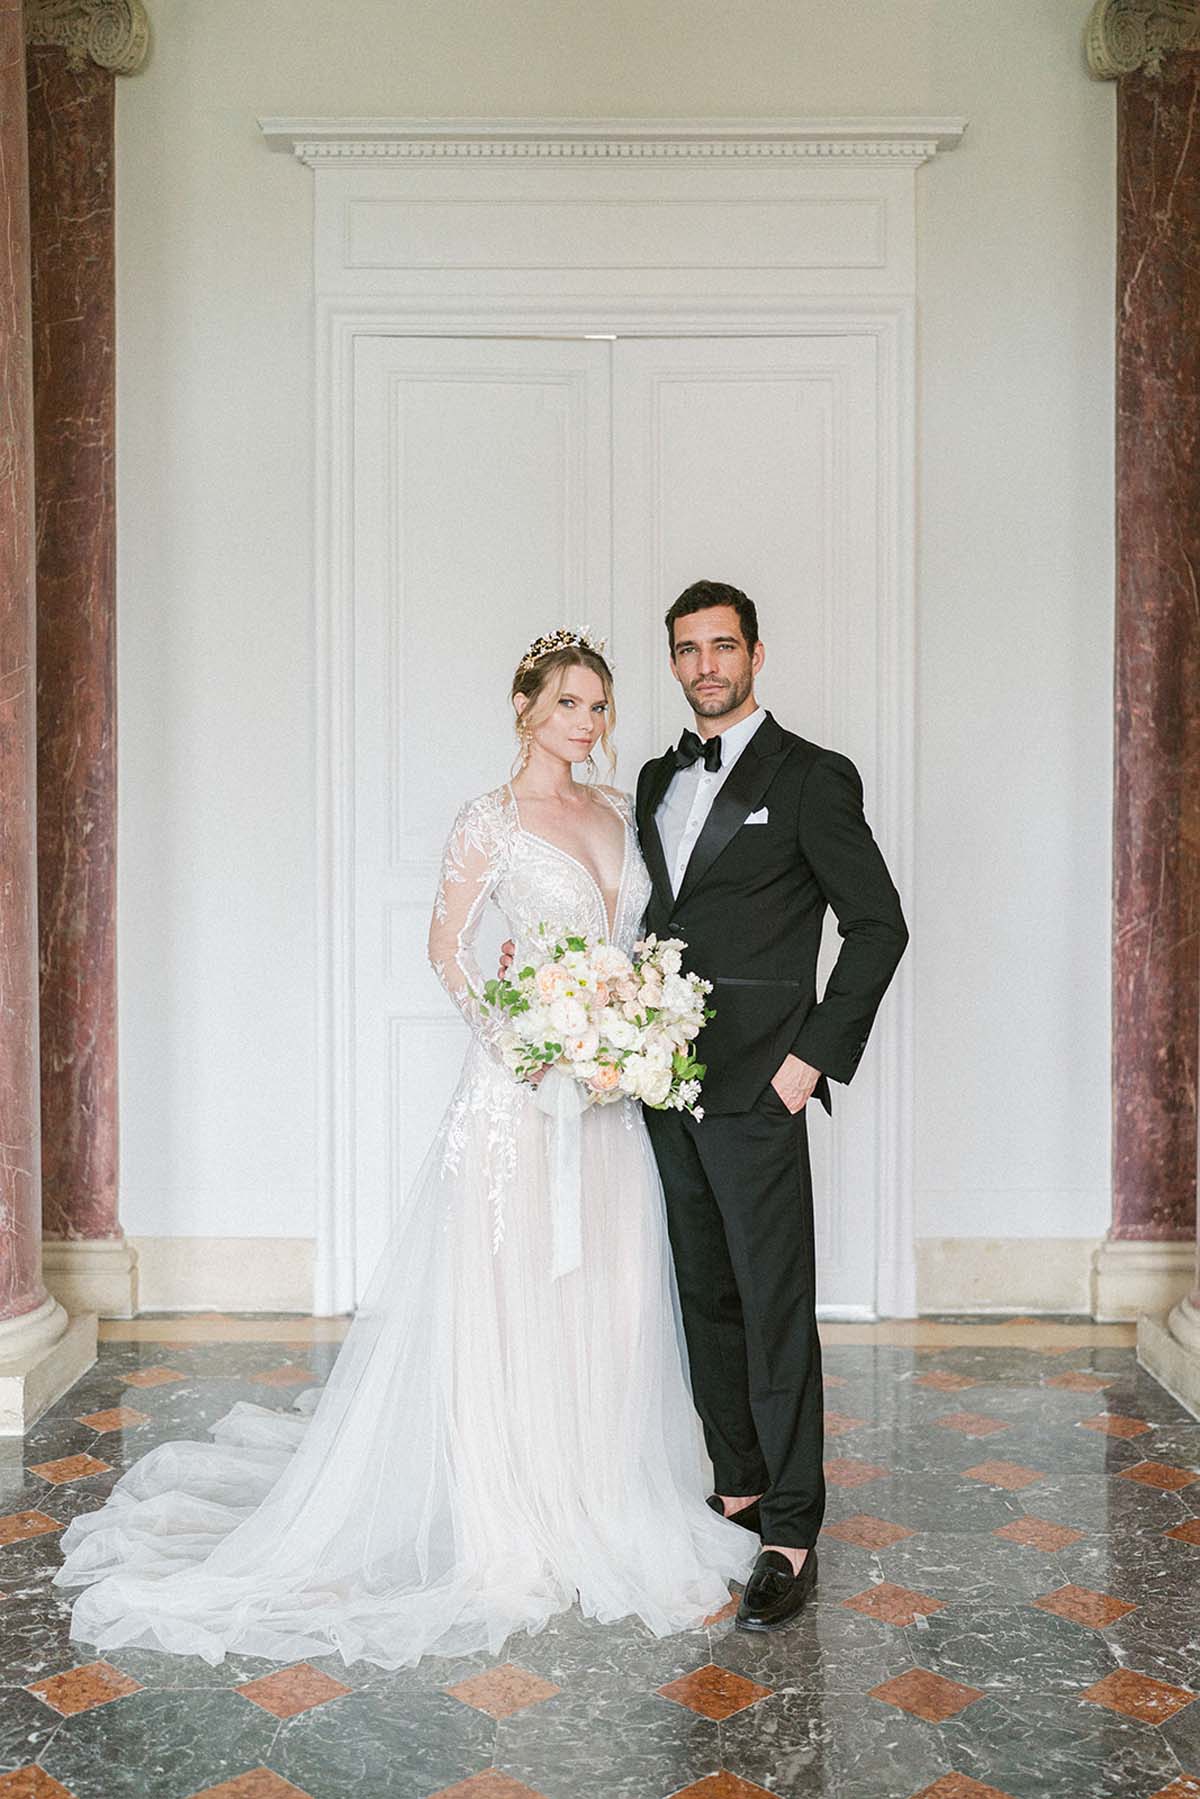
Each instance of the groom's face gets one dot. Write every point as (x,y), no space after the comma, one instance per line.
(712,663)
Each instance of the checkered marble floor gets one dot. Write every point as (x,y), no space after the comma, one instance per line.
(1008,1608)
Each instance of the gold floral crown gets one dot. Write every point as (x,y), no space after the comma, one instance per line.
(563,639)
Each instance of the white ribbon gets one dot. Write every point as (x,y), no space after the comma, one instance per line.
(564,1101)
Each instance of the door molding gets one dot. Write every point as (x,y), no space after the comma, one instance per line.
(811,182)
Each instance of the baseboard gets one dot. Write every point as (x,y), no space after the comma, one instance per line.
(224,1274)
(1130,1277)
(92,1274)
(33,1381)
(1173,1363)
(1005,1274)
(1108,1280)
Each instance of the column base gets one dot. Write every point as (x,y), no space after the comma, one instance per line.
(41,1358)
(1130,1277)
(92,1274)
(1169,1349)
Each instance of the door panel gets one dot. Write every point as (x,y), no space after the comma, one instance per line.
(482,512)
(753,461)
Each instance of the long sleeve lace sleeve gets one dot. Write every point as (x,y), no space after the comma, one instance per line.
(471,866)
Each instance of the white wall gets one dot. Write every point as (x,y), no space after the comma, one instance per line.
(1011,910)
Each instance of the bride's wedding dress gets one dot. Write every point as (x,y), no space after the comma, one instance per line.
(492,1443)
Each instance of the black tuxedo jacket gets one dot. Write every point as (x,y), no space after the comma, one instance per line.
(751,905)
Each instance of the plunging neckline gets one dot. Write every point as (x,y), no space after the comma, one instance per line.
(610,922)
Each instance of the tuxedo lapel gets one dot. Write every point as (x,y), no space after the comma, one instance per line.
(740,794)
(651,841)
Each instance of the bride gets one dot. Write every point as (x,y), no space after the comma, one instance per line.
(493,1443)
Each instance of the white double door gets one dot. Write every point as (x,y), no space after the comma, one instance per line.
(503,487)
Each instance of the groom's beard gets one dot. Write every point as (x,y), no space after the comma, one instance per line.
(722,699)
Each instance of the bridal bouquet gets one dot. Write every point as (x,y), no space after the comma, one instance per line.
(619,1026)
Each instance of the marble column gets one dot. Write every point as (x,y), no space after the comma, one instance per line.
(39,1353)
(1153,52)
(73,52)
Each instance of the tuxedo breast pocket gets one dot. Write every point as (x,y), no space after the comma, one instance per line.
(761,817)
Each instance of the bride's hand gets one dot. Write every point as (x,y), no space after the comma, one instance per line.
(535,1079)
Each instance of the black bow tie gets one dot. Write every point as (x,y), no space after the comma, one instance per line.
(690,749)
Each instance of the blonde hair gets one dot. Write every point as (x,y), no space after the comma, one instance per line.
(543,682)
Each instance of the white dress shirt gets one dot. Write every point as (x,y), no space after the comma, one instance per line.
(688,800)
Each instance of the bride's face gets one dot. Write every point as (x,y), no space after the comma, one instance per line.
(575,721)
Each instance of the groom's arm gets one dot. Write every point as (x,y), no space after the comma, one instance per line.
(835,840)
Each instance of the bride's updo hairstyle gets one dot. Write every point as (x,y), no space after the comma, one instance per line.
(542,677)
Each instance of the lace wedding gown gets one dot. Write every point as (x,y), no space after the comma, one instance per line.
(492,1443)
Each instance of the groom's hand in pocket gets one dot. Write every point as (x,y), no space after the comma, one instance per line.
(794,1082)
(508,950)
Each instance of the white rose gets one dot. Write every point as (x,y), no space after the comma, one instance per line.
(656,1086)
(569,1017)
(609,963)
(582,1047)
(617,1030)
(549,981)
(532,1026)
(669,960)
(633,1072)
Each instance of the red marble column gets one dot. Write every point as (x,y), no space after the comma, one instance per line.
(21,1289)
(1156,969)
(72,218)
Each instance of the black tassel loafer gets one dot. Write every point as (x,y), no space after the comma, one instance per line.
(747,1515)
(773,1593)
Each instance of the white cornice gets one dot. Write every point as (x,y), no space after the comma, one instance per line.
(322,141)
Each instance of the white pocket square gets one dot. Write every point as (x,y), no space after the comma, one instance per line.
(757,818)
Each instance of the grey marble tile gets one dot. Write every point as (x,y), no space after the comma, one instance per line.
(958,1567)
(35,1641)
(1014,1649)
(26,1727)
(1041,1746)
(370,1742)
(931,1499)
(824,1651)
(1161,1638)
(158,1745)
(624,1655)
(584,1745)
(832,1742)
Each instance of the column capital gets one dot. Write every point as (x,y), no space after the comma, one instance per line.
(1126,35)
(115,34)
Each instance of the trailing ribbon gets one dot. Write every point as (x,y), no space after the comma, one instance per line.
(564,1101)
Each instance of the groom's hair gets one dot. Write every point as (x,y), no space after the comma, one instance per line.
(703,594)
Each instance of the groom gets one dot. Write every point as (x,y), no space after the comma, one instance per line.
(749,832)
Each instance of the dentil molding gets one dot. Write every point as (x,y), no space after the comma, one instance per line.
(115,34)
(323,141)
(1126,35)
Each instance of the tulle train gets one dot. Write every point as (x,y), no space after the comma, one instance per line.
(490,1446)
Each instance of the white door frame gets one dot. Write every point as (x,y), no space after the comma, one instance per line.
(788,228)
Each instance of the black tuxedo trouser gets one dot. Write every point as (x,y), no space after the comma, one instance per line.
(740,1217)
